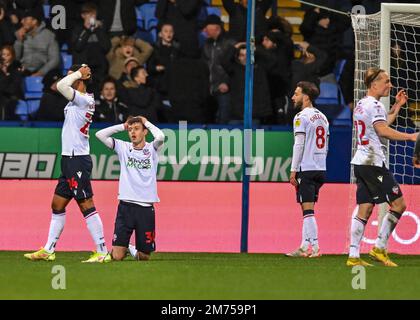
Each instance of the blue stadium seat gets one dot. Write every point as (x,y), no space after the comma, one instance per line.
(22,110)
(338,70)
(214,10)
(147,12)
(140,20)
(67,61)
(148,36)
(151,23)
(64,47)
(328,95)
(33,106)
(343,118)
(47,11)
(33,87)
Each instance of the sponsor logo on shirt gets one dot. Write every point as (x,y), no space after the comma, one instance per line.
(139,164)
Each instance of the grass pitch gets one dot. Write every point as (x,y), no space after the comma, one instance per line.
(206,276)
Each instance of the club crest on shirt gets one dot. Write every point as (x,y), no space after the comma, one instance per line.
(146,152)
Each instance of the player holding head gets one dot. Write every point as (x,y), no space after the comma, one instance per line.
(76,167)
(375,183)
(137,186)
(307,174)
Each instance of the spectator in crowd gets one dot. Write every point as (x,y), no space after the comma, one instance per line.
(36,47)
(119,16)
(141,99)
(72,18)
(129,64)
(10,83)
(183,15)
(51,107)
(274,56)
(281,25)
(215,47)
(124,48)
(238,18)
(6,27)
(164,52)
(90,44)
(324,31)
(109,108)
(234,64)
(188,88)
(17,9)
(308,67)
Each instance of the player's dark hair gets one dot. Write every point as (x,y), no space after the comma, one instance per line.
(371,75)
(89,7)
(310,89)
(132,120)
(76,67)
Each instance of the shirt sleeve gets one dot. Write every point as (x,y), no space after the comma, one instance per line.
(299,124)
(118,145)
(378,113)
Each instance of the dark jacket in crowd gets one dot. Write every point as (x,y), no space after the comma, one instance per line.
(18,7)
(162,55)
(184,17)
(52,106)
(7,33)
(141,100)
(238,18)
(188,89)
(110,111)
(213,52)
(261,99)
(308,71)
(106,12)
(11,81)
(324,39)
(90,47)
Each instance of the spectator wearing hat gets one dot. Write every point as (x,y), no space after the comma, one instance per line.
(6,27)
(90,44)
(124,48)
(164,53)
(10,83)
(324,31)
(109,108)
(17,8)
(141,98)
(238,18)
(215,47)
(129,64)
(183,15)
(51,107)
(36,47)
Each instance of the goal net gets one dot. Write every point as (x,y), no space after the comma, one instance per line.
(390,39)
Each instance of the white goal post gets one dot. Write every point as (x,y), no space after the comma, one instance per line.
(390,39)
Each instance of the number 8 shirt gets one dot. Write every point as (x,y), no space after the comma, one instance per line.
(78,117)
(313,123)
(370,149)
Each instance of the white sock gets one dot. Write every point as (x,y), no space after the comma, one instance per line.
(356,235)
(305,240)
(56,228)
(311,231)
(96,229)
(133,251)
(388,225)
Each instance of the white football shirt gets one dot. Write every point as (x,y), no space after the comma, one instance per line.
(138,172)
(314,124)
(78,117)
(370,148)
